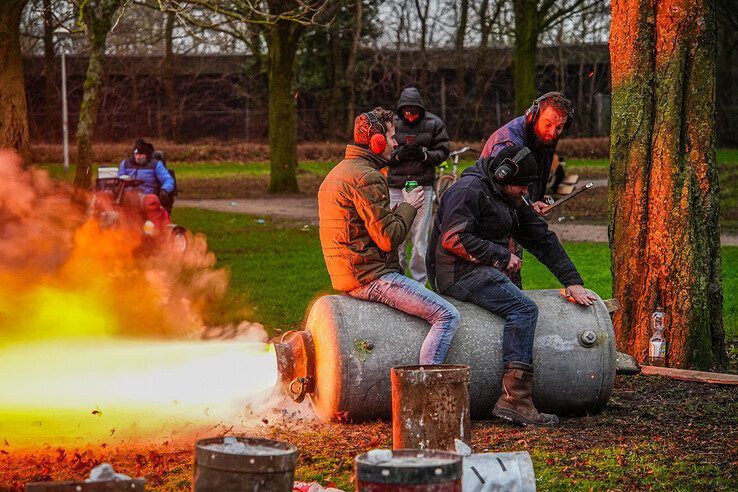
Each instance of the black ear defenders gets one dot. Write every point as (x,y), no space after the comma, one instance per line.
(532,113)
(377,130)
(509,167)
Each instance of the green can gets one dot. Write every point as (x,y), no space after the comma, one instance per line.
(411,185)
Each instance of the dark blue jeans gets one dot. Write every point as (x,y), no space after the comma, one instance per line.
(492,290)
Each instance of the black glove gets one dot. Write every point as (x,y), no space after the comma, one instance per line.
(408,152)
(165,198)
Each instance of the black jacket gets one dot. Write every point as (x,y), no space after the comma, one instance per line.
(427,131)
(473,226)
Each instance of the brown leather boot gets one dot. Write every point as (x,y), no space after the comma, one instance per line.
(515,403)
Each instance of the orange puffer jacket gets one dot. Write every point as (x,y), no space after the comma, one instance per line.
(359,232)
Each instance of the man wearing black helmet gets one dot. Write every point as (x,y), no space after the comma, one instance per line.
(469,259)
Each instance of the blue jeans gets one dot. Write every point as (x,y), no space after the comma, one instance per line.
(407,295)
(492,290)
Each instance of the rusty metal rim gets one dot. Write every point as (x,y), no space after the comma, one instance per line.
(284,459)
(425,374)
(387,473)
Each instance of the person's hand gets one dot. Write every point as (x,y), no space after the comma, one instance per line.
(415,197)
(579,295)
(418,153)
(514,265)
(408,152)
(541,208)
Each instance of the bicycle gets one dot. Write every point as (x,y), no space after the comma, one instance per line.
(445,179)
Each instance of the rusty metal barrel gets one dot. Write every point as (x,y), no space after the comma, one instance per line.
(430,406)
(408,470)
(342,360)
(244,464)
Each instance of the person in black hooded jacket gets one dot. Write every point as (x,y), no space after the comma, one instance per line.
(470,260)
(423,144)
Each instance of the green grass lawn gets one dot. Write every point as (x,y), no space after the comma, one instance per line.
(195,170)
(277,269)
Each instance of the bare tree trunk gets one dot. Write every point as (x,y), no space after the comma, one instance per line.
(171,123)
(423,18)
(13,111)
(50,72)
(461,28)
(350,75)
(88,117)
(664,210)
(98,19)
(282,41)
(524,63)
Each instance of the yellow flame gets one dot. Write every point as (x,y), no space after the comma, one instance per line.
(84,392)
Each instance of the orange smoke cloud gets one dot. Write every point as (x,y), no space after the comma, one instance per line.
(63,272)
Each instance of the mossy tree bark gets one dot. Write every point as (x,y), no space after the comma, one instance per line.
(527,30)
(664,229)
(350,72)
(13,110)
(50,71)
(282,41)
(97,17)
(171,116)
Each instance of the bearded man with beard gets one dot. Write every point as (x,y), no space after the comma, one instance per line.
(539,129)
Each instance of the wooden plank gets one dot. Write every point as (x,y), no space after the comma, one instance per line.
(696,376)
(136,484)
(612,305)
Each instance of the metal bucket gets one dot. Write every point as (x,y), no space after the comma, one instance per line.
(408,470)
(254,465)
(430,406)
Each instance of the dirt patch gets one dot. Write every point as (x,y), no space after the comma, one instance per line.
(291,207)
(240,187)
(654,433)
(305,209)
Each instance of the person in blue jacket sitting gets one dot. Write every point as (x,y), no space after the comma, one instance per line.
(157,183)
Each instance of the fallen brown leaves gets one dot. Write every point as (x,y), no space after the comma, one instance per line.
(649,423)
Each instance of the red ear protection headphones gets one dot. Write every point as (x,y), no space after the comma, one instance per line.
(532,113)
(377,130)
(509,167)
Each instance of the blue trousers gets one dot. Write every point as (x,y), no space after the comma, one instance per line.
(492,290)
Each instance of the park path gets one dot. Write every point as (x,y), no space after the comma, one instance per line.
(306,209)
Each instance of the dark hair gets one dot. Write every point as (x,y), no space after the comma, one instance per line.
(362,124)
(560,104)
(143,147)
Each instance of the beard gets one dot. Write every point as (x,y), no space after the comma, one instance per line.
(541,141)
(515,199)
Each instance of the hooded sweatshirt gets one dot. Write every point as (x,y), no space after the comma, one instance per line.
(427,131)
